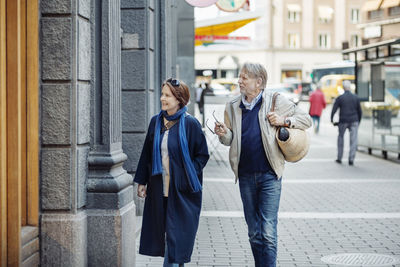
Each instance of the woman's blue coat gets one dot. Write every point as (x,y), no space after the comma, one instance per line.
(180,219)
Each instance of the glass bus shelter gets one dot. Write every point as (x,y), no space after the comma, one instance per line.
(377,71)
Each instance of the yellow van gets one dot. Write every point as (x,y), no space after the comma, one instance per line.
(331,85)
(230,84)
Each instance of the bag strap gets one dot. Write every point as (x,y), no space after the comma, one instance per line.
(274,97)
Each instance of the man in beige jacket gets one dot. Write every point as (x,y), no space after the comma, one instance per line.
(255,157)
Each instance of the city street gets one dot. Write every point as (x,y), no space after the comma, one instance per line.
(327,209)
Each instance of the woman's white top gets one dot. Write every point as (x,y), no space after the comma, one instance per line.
(165,162)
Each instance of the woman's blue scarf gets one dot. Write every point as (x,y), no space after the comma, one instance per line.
(188,164)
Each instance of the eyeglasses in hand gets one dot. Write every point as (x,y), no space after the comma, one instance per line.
(216,120)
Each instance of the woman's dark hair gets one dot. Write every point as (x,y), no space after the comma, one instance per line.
(179,89)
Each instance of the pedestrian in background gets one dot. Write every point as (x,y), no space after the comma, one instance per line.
(207,91)
(349,118)
(317,104)
(199,90)
(169,176)
(255,157)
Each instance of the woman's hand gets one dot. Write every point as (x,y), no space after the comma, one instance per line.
(141,191)
(275,119)
(220,129)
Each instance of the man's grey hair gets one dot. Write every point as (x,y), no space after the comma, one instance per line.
(256,70)
(346,85)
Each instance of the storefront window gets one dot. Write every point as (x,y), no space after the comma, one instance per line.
(375,14)
(290,74)
(394,11)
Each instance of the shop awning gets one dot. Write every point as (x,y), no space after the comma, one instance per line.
(390,3)
(223,25)
(371,5)
(294,7)
(325,12)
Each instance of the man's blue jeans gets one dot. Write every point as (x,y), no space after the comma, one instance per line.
(353,129)
(261,194)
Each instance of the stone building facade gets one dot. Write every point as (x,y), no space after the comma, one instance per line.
(100,64)
(380,20)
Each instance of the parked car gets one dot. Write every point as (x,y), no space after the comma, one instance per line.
(218,89)
(305,89)
(229,83)
(300,87)
(285,90)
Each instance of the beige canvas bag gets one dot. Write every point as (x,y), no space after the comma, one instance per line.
(296,146)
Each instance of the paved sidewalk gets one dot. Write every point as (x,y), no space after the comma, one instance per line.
(326,208)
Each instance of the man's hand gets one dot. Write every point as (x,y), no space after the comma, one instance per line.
(275,119)
(141,191)
(220,129)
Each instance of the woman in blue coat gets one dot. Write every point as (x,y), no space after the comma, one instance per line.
(170,176)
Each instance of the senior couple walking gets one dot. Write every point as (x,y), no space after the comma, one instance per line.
(169,173)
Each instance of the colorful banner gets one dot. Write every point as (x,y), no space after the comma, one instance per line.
(220,37)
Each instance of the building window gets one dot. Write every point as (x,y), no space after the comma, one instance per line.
(355,15)
(394,11)
(354,40)
(324,41)
(293,12)
(375,14)
(293,40)
(293,16)
(325,14)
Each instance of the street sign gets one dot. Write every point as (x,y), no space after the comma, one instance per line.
(230,5)
(201,3)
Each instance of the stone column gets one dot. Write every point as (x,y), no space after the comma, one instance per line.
(185,48)
(110,206)
(141,76)
(307,26)
(65,65)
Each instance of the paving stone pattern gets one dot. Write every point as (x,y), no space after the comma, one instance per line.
(317,185)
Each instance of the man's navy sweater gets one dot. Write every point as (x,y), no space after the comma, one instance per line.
(252,155)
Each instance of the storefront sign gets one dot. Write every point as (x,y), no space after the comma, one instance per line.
(201,3)
(372,32)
